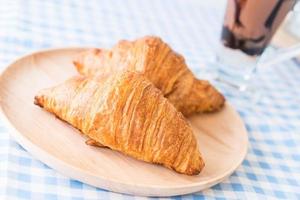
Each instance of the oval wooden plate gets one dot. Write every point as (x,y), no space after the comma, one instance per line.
(222,136)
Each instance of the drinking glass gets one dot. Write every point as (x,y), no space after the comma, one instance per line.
(248,27)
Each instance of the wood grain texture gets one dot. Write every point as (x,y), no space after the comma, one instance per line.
(221,136)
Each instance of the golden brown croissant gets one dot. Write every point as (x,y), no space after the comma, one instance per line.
(127,113)
(161,65)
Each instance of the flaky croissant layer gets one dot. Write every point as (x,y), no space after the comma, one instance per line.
(165,68)
(127,113)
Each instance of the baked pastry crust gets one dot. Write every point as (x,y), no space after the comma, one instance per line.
(165,68)
(127,113)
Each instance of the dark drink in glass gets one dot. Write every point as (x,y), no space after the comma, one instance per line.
(250,24)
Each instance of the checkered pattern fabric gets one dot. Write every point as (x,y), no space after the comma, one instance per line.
(271,169)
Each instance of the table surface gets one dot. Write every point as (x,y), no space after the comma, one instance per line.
(271,169)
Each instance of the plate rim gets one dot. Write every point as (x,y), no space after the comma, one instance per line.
(45,157)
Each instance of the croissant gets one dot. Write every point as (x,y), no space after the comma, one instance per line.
(165,68)
(126,113)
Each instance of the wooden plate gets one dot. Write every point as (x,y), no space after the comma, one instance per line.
(222,136)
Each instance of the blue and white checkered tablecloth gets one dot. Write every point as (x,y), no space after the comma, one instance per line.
(271,169)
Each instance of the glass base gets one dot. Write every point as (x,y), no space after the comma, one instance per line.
(230,82)
(233,78)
